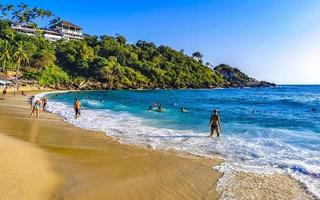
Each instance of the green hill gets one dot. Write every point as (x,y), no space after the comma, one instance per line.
(108,62)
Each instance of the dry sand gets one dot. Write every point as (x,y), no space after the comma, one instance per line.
(60,161)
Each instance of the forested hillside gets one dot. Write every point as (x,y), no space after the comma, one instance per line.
(103,62)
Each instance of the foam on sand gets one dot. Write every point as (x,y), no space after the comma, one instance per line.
(263,153)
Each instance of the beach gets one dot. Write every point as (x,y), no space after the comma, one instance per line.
(89,165)
(66,162)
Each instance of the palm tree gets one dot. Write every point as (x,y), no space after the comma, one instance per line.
(6,9)
(21,56)
(1,10)
(22,14)
(197,55)
(5,55)
(42,13)
(54,21)
(22,6)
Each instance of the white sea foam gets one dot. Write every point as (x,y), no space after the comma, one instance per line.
(265,154)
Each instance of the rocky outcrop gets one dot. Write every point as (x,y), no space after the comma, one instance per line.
(235,78)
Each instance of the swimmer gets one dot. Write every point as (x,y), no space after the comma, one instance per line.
(183,110)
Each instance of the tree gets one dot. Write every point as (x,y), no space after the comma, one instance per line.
(54,21)
(197,55)
(121,39)
(21,56)
(5,56)
(6,10)
(38,12)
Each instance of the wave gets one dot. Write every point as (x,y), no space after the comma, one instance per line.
(258,149)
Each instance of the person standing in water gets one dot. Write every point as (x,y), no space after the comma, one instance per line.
(44,103)
(77,107)
(214,123)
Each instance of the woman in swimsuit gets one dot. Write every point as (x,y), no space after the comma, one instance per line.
(214,123)
(36,108)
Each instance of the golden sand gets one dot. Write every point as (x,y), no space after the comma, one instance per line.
(94,166)
(25,172)
(60,161)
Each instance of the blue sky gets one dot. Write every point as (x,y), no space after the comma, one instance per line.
(273,40)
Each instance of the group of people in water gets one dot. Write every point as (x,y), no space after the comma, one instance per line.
(158,108)
(214,123)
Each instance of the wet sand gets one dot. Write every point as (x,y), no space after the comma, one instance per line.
(91,165)
(60,161)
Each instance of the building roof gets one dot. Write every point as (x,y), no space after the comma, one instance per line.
(47,31)
(65,23)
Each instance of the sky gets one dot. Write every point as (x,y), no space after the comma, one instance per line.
(272,40)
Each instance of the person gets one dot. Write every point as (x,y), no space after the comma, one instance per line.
(4,91)
(31,100)
(22,93)
(36,108)
(214,123)
(183,110)
(159,108)
(44,103)
(77,107)
(314,109)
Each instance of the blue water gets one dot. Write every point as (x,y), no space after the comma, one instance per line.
(270,128)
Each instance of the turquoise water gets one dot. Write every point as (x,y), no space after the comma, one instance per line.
(263,128)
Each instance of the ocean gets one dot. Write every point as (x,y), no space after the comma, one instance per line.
(264,130)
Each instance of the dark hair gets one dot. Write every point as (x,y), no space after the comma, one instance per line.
(215,111)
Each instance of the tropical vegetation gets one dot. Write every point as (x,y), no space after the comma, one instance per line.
(98,62)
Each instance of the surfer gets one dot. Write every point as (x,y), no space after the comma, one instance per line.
(77,107)
(214,123)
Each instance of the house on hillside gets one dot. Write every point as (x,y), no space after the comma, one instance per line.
(61,30)
(68,30)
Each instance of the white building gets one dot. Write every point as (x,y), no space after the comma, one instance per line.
(51,35)
(68,30)
(61,30)
(29,30)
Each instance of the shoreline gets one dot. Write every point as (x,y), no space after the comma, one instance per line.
(94,166)
(238,185)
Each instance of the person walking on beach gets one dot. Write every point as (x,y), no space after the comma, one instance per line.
(77,107)
(36,108)
(214,123)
